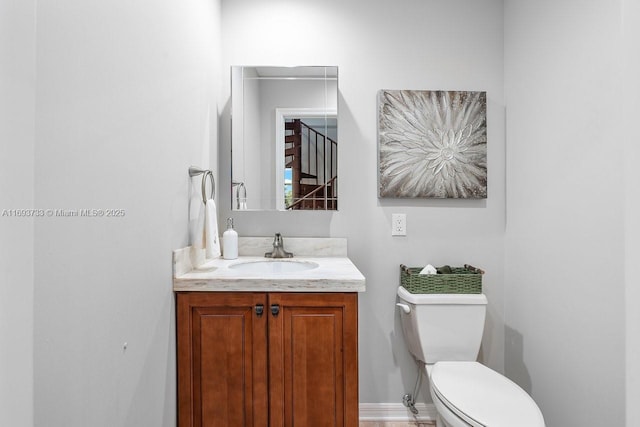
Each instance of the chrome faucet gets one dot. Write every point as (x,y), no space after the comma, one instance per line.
(278,249)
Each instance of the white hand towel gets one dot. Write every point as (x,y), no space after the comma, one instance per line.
(197,232)
(212,240)
(429,269)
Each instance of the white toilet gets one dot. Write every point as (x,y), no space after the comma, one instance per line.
(444,332)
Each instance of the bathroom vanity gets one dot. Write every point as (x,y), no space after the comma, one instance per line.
(268,342)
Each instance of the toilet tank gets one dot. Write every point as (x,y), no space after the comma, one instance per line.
(443,327)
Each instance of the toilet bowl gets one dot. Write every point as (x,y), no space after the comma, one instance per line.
(470,394)
(443,332)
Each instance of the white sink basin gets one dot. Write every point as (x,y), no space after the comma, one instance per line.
(273,266)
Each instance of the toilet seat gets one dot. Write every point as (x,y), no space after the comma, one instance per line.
(483,397)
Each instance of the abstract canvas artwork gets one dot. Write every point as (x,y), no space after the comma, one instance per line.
(432,144)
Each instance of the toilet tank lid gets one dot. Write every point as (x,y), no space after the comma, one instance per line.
(463,299)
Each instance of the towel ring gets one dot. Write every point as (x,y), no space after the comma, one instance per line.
(240,186)
(204,186)
(194,171)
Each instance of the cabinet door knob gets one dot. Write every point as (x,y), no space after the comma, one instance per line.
(259,309)
(275,309)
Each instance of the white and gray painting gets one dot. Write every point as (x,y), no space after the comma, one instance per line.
(432,144)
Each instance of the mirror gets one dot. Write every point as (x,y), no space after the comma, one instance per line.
(284,139)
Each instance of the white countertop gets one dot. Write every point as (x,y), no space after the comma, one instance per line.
(333,274)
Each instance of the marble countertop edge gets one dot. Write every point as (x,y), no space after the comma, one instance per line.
(196,285)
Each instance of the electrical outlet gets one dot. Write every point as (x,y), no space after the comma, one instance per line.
(398,224)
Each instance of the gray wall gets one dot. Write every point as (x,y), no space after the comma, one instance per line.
(17,111)
(565,257)
(407,44)
(630,84)
(125,103)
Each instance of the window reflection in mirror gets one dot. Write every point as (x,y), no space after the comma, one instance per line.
(284,138)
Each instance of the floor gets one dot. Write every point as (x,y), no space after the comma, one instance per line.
(395,424)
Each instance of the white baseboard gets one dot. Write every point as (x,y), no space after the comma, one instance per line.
(396,412)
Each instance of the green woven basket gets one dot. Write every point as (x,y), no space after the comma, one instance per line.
(461,280)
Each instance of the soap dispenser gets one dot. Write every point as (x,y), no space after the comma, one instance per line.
(230,241)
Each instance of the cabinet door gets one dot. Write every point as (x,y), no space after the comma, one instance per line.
(313,360)
(222,360)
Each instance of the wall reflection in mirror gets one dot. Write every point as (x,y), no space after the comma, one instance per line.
(284,139)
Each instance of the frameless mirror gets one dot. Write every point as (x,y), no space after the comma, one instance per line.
(284,141)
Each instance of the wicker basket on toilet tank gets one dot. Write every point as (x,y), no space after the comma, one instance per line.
(460,280)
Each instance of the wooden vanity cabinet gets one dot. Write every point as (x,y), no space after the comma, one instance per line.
(255,359)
